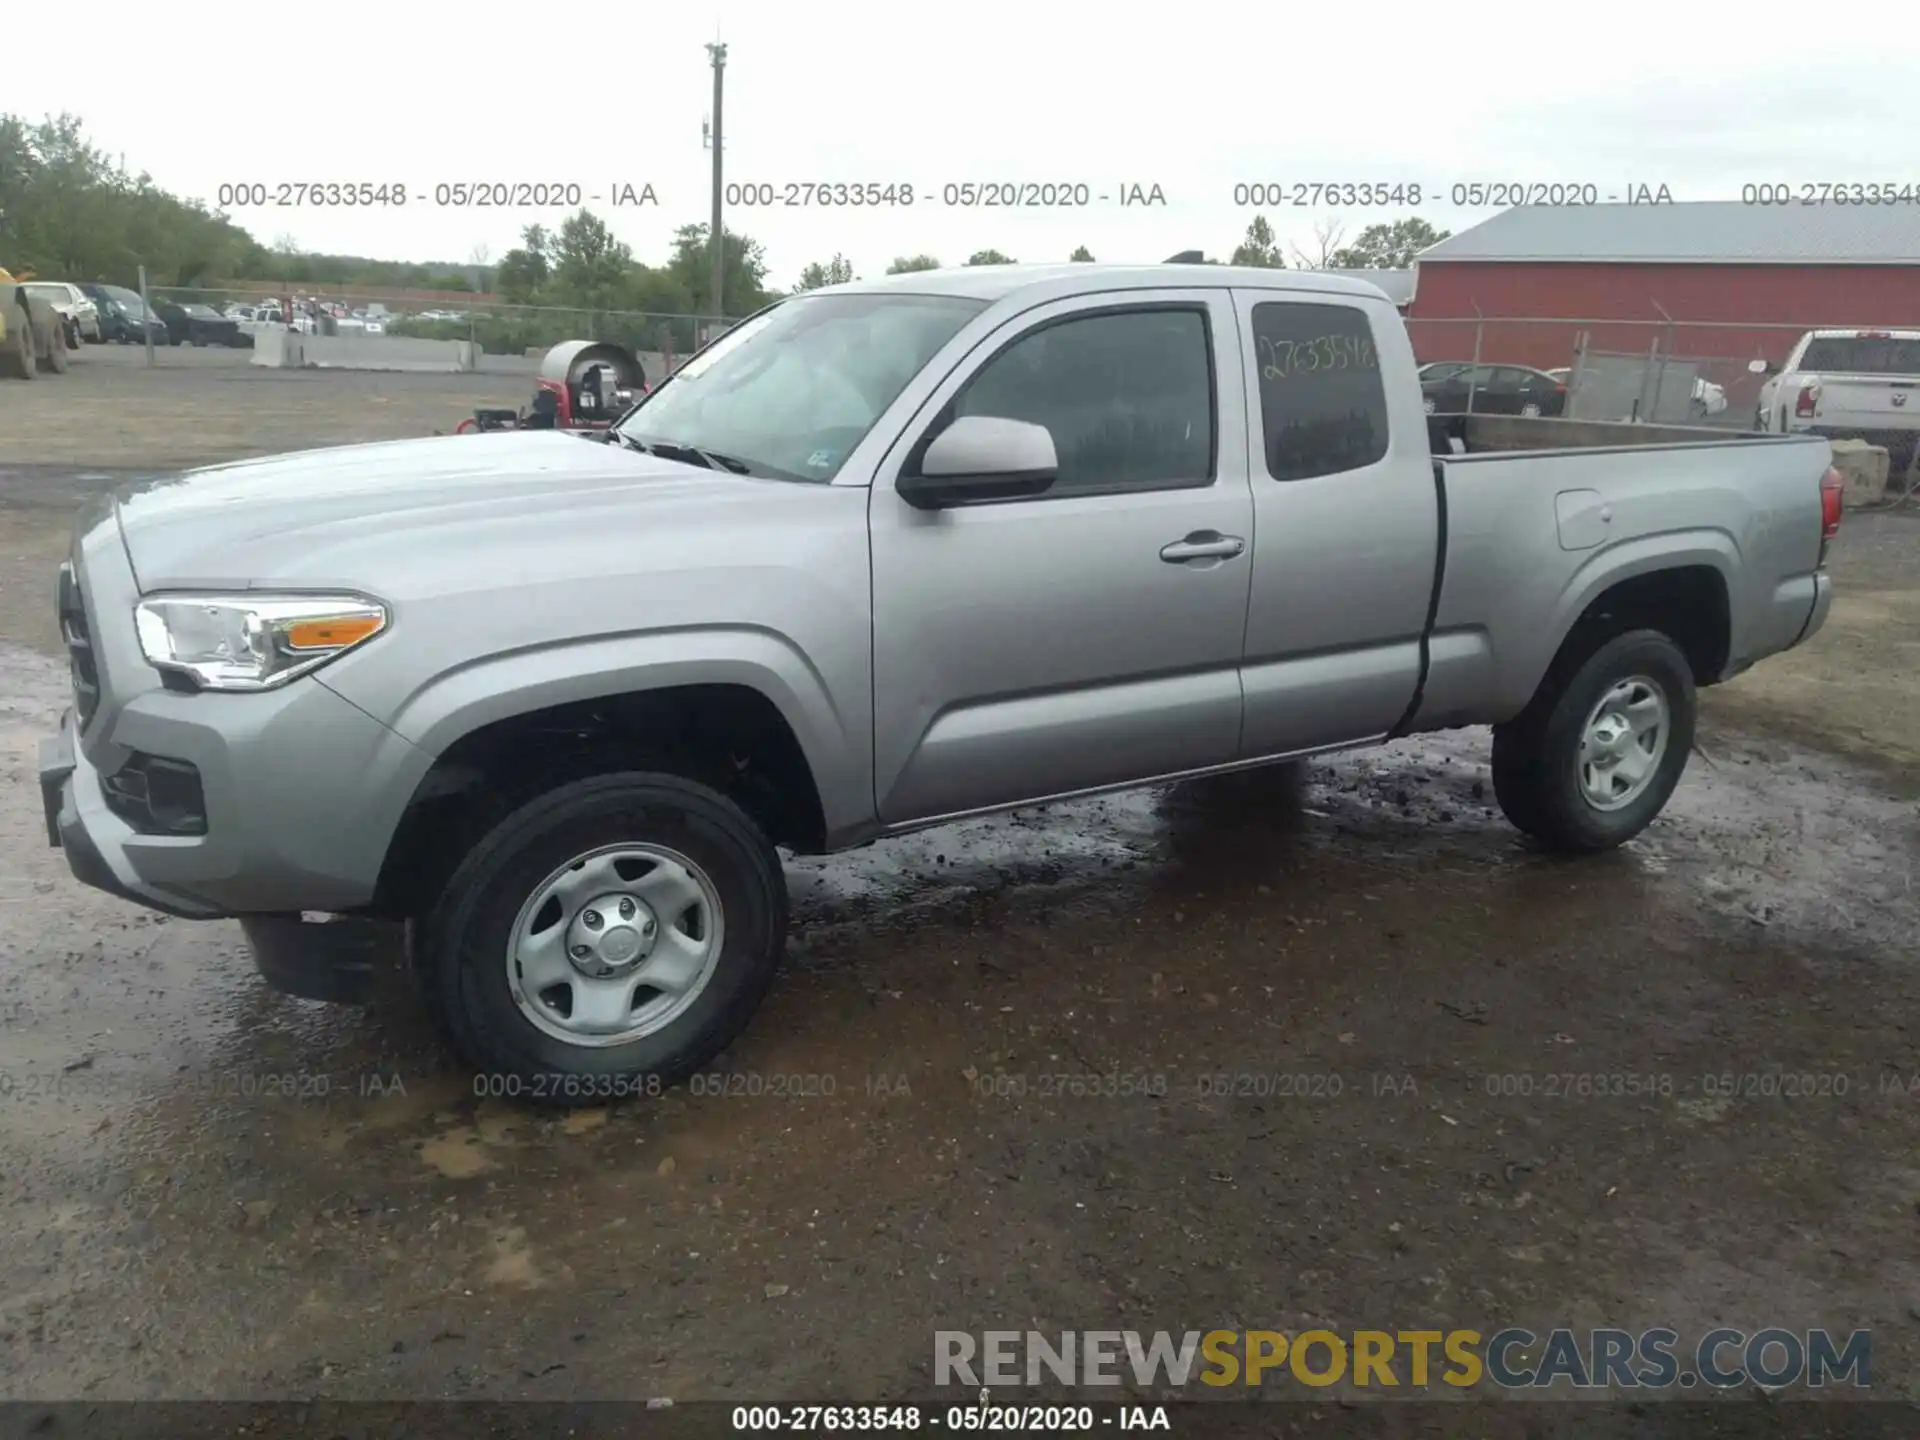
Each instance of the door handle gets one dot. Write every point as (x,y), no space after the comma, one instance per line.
(1203,545)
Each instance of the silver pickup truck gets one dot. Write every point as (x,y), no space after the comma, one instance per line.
(883,555)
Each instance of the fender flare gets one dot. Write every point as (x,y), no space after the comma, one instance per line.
(505,685)
(1716,550)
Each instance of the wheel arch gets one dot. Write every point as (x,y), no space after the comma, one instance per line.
(506,729)
(1680,585)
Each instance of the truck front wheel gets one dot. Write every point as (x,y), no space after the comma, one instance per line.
(606,939)
(1597,752)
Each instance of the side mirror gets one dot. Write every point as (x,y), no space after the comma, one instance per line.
(1759,367)
(981,457)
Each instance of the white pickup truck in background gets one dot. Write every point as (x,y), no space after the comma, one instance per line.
(1848,385)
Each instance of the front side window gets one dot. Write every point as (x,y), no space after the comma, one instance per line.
(1323,408)
(791,392)
(1127,396)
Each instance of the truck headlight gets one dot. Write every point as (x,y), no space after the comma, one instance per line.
(247,642)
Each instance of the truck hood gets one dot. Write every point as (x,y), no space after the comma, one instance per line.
(350,515)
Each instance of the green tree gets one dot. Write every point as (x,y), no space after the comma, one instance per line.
(69,212)
(990,257)
(743,270)
(527,267)
(1259,249)
(590,267)
(907,264)
(1081,256)
(1388,246)
(837,271)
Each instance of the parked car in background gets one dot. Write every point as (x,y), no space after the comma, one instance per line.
(1847,385)
(196,324)
(74,305)
(1450,387)
(124,317)
(1708,398)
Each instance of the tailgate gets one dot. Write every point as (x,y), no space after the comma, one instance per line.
(1870,402)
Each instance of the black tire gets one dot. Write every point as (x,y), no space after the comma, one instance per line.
(18,356)
(1536,755)
(464,940)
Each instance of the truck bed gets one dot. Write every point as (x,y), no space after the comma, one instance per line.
(1494,434)
(1531,532)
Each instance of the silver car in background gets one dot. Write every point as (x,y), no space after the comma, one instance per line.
(75,307)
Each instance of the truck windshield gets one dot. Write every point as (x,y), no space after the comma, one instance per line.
(1862,355)
(791,392)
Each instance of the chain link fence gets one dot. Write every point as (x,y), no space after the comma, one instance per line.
(1658,371)
(233,316)
(1662,372)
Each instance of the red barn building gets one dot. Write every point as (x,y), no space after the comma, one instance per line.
(1716,280)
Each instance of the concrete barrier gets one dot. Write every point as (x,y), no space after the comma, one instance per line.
(277,347)
(1864,467)
(287,350)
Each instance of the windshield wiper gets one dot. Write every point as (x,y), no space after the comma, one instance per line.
(673,450)
(726,462)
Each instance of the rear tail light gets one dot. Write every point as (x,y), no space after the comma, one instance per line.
(1832,491)
(1803,403)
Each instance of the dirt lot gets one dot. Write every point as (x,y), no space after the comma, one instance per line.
(175,1224)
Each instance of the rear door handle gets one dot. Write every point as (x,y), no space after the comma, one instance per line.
(1203,545)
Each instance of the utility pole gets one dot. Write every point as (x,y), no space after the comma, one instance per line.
(716,234)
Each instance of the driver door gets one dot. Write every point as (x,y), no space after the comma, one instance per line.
(1038,646)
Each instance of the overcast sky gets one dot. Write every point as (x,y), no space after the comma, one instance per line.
(1193,98)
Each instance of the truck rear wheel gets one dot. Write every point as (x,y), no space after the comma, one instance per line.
(606,939)
(1599,749)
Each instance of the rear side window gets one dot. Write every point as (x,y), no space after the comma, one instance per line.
(1127,395)
(1323,408)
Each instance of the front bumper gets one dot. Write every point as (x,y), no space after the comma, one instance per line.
(335,960)
(302,792)
(67,830)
